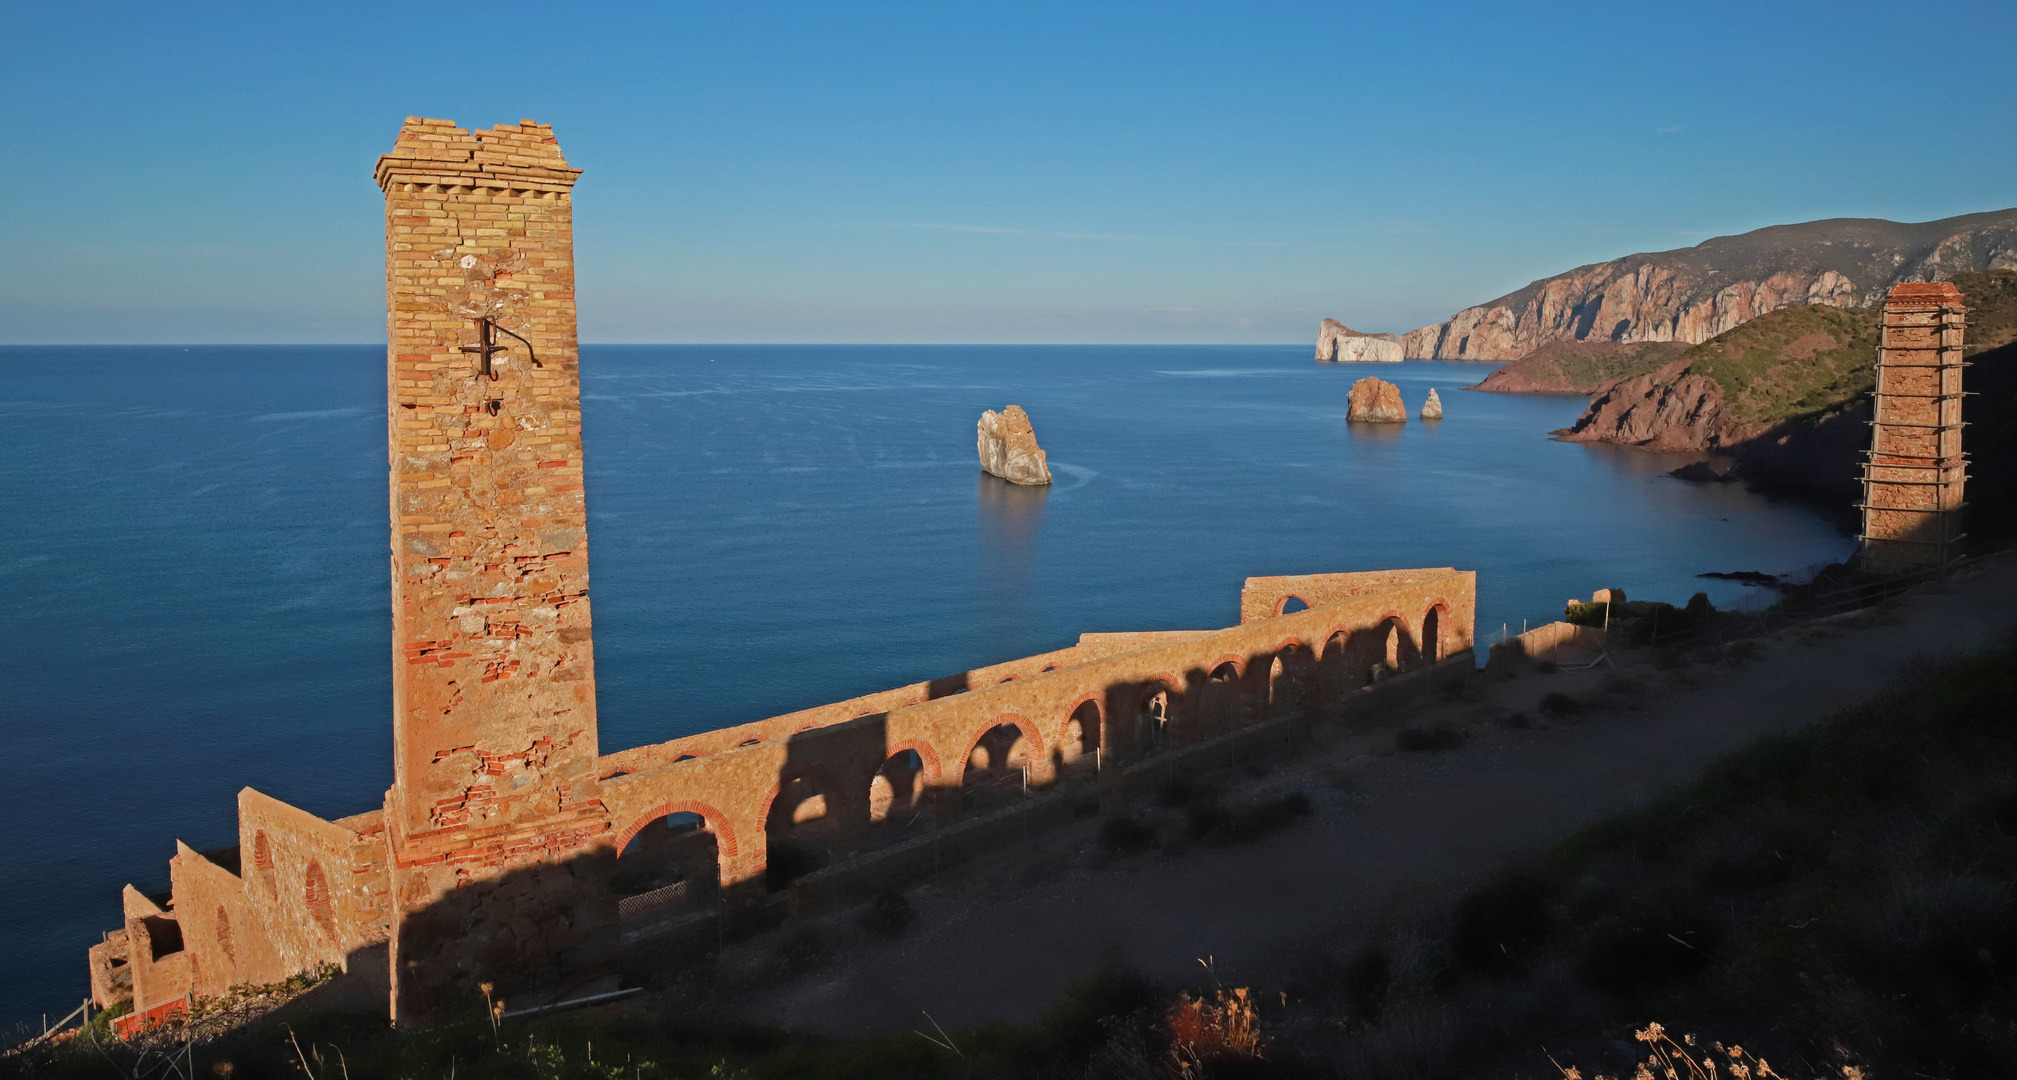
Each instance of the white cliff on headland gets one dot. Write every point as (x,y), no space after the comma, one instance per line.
(1336,341)
(1008,447)
(1432,409)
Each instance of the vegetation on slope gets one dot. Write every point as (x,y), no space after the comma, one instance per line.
(1579,367)
(1791,364)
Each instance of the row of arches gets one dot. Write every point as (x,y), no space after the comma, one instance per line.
(820,810)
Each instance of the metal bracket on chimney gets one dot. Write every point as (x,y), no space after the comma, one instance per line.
(487,346)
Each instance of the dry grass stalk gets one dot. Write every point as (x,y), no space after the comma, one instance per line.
(1686,1060)
(1224,1027)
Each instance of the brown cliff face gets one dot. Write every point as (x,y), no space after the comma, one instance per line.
(1786,366)
(1579,367)
(1693,294)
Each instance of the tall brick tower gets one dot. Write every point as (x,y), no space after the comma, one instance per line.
(1915,471)
(493,671)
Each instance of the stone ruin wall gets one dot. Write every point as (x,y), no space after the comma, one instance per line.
(274,924)
(499,845)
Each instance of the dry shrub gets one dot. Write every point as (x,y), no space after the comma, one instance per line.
(1688,1060)
(1224,1027)
(1560,704)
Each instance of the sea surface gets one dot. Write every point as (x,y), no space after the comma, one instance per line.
(195,562)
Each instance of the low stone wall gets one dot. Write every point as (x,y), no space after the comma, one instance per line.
(1544,643)
(860,878)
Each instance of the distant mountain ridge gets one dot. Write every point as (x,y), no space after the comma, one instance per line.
(1693,294)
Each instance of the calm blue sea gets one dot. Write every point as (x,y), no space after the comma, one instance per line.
(195,562)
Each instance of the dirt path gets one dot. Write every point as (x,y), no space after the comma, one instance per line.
(1001,941)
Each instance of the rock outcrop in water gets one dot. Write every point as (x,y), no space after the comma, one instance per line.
(1376,401)
(1341,343)
(1432,409)
(1692,294)
(1008,447)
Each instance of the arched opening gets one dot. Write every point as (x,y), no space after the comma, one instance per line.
(671,864)
(1153,713)
(1293,604)
(225,942)
(262,864)
(1289,678)
(897,787)
(1079,740)
(1222,703)
(315,890)
(1000,754)
(1398,652)
(1432,631)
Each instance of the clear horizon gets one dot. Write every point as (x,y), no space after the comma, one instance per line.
(896,174)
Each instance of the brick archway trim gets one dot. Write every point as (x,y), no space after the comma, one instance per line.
(717,823)
(1238,662)
(926,753)
(1021,723)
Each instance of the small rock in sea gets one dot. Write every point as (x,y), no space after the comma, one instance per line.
(1008,447)
(1704,470)
(1376,401)
(1432,409)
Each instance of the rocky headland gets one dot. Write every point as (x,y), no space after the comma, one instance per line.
(1008,447)
(1786,398)
(1693,294)
(1341,343)
(1376,401)
(1579,367)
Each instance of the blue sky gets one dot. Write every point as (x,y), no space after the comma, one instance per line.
(966,172)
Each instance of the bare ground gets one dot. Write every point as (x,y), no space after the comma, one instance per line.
(1000,939)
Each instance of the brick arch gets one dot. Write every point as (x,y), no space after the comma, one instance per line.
(717,823)
(1295,643)
(1097,699)
(1283,602)
(1238,662)
(1442,609)
(1021,723)
(926,753)
(1177,683)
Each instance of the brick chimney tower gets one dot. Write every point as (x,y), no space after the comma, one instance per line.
(1915,471)
(493,668)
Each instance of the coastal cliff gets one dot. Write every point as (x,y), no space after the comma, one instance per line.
(1787,369)
(1787,397)
(1341,343)
(1579,367)
(1692,294)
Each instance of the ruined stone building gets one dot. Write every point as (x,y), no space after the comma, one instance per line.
(509,847)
